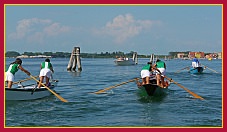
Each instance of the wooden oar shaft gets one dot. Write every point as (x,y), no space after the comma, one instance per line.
(181,69)
(58,96)
(192,93)
(103,90)
(210,69)
(24,80)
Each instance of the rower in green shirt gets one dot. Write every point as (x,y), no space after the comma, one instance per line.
(46,71)
(161,66)
(145,73)
(12,69)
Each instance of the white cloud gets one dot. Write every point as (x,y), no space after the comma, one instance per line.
(55,29)
(36,29)
(36,37)
(124,27)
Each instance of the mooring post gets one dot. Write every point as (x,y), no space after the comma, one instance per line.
(135,59)
(152,58)
(71,60)
(75,60)
(77,51)
(74,63)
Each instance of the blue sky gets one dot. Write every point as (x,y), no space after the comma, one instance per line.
(146,29)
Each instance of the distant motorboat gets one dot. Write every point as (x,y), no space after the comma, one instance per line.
(125,61)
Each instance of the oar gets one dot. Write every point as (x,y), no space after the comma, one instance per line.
(24,80)
(210,69)
(193,94)
(58,96)
(182,69)
(103,90)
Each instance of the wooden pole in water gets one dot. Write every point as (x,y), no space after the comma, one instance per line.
(135,58)
(69,67)
(77,51)
(152,58)
(74,60)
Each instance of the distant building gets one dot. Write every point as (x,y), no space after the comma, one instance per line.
(180,55)
(40,56)
(219,55)
(214,55)
(196,54)
(208,56)
(37,56)
(23,56)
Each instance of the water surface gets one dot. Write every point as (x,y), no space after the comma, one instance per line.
(121,106)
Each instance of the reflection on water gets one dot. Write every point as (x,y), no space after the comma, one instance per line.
(75,74)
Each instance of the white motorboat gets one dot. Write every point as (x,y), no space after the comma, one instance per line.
(125,61)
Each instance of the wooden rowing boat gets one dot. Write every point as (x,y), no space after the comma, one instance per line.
(29,92)
(196,70)
(152,89)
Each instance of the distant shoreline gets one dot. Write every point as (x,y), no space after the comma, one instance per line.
(172,55)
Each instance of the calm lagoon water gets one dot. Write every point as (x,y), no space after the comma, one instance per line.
(121,106)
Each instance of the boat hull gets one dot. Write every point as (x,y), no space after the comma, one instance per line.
(152,89)
(28,92)
(196,70)
(124,62)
